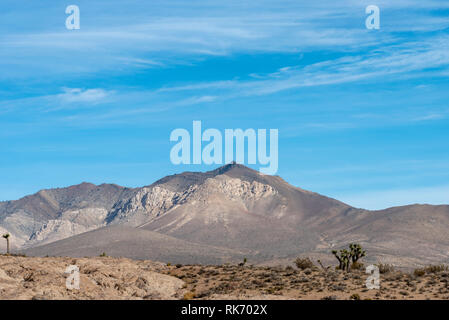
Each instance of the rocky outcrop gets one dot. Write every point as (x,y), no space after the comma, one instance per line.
(100,278)
(149,203)
(134,208)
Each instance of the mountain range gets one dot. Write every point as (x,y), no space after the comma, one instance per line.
(216,217)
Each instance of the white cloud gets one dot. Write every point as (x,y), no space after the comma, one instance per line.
(138,62)
(396,60)
(154,39)
(70,98)
(217,30)
(74,95)
(197,100)
(432,116)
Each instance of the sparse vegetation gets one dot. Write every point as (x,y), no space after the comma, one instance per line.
(419,272)
(325,269)
(103,254)
(436,268)
(431,269)
(357,266)
(243,263)
(189,296)
(143,280)
(303,263)
(218,282)
(14,254)
(355,296)
(385,268)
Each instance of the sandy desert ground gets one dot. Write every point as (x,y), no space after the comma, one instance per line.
(120,278)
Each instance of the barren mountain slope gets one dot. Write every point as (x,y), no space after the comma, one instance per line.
(54,214)
(122,241)
(237,209)
(233,207)
(408,235)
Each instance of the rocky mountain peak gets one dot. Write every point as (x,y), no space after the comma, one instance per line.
(232,211)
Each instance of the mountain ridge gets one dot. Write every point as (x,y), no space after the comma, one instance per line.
(232,208)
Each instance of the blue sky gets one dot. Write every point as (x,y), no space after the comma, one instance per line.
(363,115)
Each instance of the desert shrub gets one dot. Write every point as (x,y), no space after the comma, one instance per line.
(180,265)
(13,255)
(289,268)
(357,266)
(303,263)
(435,268)
(189,296)
(355,296)
(430,269)
(270,290)
(419,272)
(168,264)
(385,268)
(103,254)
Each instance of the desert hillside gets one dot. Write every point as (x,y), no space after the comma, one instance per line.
(217,217)
(120,278)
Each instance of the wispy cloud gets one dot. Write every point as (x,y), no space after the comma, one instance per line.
(402,60)
(73,95)
(69,98)
(217,29)
(432,116)
(213,28)
(141,63)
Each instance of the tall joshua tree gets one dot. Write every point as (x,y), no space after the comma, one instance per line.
(6,236)
(356,252)
(344,257)
(347,258)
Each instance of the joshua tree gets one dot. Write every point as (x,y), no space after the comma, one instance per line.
(346,258)
(325,269)
(6,236)
(243,263)
(356,252)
